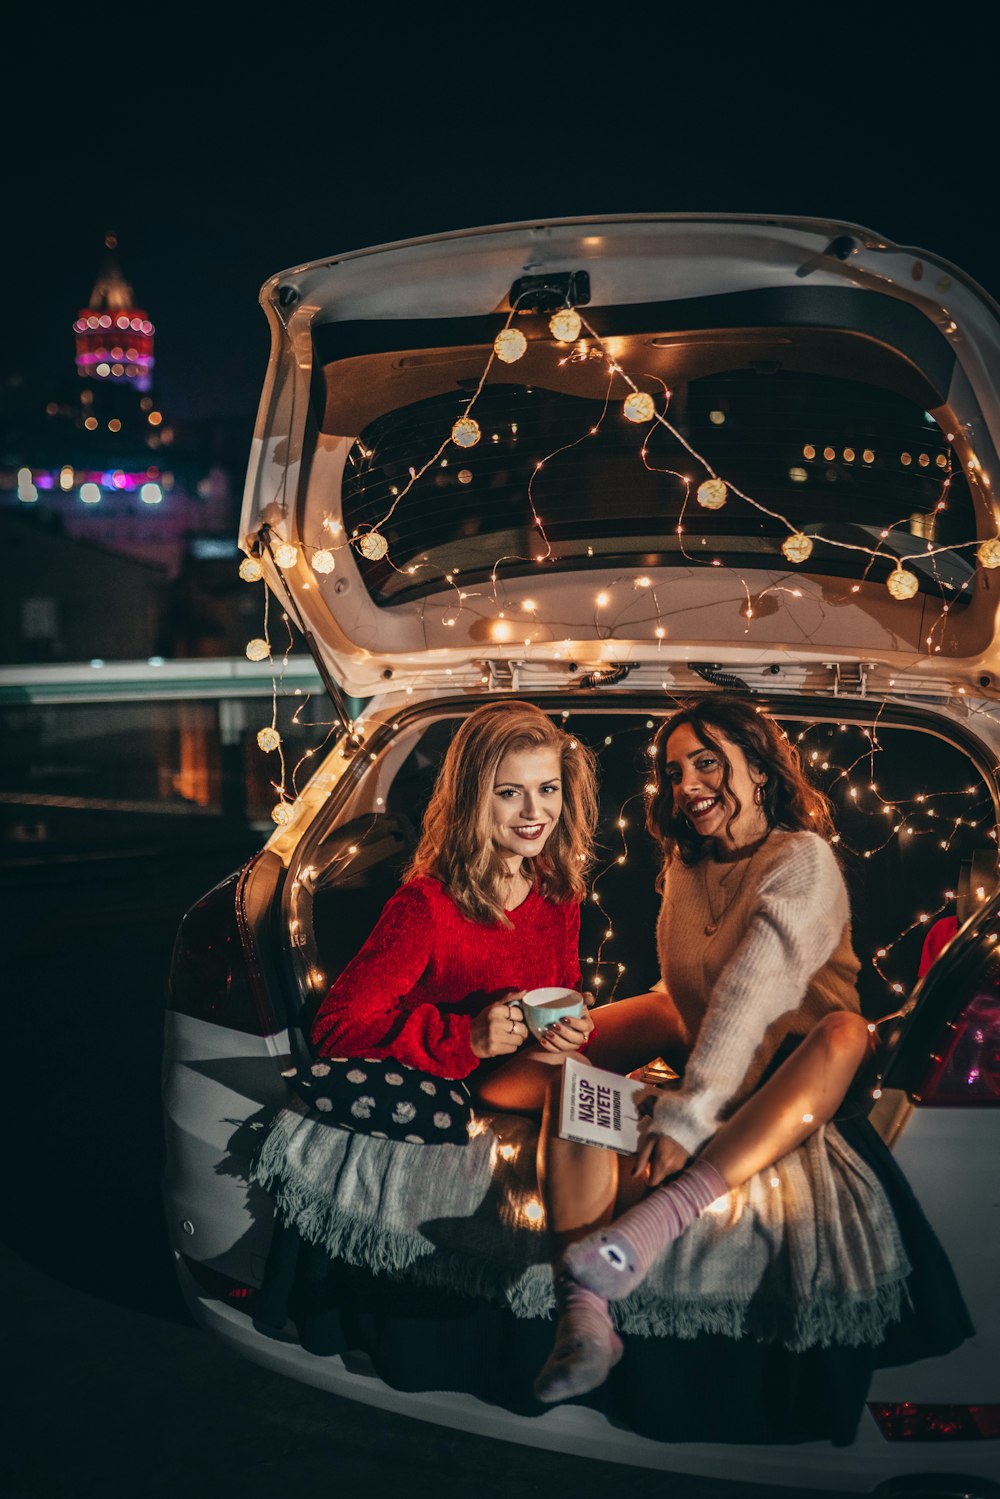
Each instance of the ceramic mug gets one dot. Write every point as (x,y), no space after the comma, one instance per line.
(542,1007)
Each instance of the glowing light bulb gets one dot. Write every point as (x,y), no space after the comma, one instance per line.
(258,650)
(711,494)
(988,553)
(465,433)
(323,561)
(373,545)
(639,407)
(268,739)
(565,325)
(902,584)
(797,547)
(286,555)
(251,570)
(509,345)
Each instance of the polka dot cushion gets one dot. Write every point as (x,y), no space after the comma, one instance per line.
(386,1099)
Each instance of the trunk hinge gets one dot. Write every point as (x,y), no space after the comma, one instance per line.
(850,681)
(504,675)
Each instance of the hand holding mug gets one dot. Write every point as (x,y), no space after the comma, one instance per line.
(499,1030)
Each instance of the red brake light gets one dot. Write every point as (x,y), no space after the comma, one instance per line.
(965,1066)
(907,1422)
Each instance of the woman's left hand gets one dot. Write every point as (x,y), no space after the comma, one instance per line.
(662,1155)
(568,1034)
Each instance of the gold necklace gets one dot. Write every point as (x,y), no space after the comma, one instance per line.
(715,921)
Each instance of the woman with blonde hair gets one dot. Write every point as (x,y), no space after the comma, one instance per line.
(489,908)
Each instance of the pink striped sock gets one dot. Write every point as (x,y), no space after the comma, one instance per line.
(586,1346)
(614,1260)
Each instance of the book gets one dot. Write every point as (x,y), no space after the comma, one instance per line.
(599,1108)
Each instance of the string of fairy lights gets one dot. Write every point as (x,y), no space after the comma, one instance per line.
(576,341)
(639,407)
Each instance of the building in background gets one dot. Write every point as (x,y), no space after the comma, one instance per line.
(94,465)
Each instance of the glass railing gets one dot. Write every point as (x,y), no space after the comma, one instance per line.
(156,746)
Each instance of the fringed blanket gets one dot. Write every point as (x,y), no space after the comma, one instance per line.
(806,1254)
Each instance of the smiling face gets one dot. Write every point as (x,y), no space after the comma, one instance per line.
(525,803)
(695,771)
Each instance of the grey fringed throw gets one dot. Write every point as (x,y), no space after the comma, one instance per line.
(807,1253)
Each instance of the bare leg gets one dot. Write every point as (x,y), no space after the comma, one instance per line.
(579,1184)
(803,1094)
(632,1031)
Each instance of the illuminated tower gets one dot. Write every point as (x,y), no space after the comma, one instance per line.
(114,337)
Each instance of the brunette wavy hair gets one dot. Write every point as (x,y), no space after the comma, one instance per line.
(456,844)
(790,801)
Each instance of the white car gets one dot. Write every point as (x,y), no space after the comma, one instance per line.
(607,465)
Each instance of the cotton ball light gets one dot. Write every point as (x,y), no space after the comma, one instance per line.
(286,555)
(509,345)
(902,584)
(268,739)
(797,547)
(258,650)
(465,433)
(281,813)
(251,570)
(322,561)
(639,407)
(565,325)
(988,553)
(373,545)
(711,494)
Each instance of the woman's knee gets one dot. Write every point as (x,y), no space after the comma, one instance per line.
(844,1035)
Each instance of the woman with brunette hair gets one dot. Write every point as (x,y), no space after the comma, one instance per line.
(759,979)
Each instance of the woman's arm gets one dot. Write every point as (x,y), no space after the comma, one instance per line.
(364,1015)
(798,919)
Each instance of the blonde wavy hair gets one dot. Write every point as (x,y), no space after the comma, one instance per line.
(456,844)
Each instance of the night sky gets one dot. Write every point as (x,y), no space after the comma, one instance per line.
(216,174)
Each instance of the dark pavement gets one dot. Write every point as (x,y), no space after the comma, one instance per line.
(111,1388)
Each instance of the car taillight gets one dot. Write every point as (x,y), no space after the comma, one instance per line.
(965,1063)
(212,977)
(907,1422)
(222,1287)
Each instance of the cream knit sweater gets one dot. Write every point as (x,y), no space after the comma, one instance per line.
(780,960)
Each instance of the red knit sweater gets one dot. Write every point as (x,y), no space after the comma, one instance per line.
(427,969)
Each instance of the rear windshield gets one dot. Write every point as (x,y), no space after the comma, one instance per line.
(559,480)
